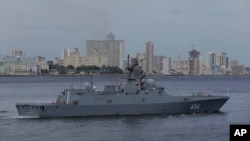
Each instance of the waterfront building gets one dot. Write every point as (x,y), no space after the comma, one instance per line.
(234,63)
(162,64)
(194,62)
(94,60)
(1,66)
(58,61)
(41,63)
(223,60)
(180,66)
(210,63)
(76,60)
(237,69)
(19,65)
(72,58)
(110,48)
(149,57)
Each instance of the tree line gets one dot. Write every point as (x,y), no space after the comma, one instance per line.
(82,69)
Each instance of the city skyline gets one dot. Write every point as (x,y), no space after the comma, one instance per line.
(20,64)
(47,27)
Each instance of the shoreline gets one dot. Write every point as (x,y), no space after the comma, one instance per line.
(60,75)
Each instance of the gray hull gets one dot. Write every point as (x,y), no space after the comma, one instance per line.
(138,96)
(52,110)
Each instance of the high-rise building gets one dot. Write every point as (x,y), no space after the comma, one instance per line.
(223,61)
(65,54)
(110,48)
(211,63)
(149,57)
(194,62)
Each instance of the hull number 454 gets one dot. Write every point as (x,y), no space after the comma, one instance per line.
(195,106)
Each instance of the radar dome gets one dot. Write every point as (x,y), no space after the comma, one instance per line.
(86,85)
(150,82)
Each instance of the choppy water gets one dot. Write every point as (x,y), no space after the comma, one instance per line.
(205,127)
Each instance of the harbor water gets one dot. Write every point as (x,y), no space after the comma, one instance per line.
(193,127)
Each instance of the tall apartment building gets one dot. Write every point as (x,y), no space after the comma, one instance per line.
(211,63)
(149,57)
(223,60)
(194,62)
(110,48)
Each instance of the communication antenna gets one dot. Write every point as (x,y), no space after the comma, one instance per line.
(72,82)
(91,80)
(80,80)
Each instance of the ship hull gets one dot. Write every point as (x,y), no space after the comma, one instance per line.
(54,110)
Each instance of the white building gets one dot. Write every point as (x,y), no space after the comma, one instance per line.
(180,66)
(19,65)
(162,64)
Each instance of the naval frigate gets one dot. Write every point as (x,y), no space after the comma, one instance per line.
(138,96)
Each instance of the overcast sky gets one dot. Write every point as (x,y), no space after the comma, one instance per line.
(46,27)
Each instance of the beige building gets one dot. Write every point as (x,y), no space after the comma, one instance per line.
(41,63)
(17,68)
(58,61)
(111,48)
(94,61)
(237,69)
(76,60)
(72,58)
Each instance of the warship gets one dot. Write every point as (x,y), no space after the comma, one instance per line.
(138,96)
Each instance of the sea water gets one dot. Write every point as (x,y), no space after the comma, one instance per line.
(205,126)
